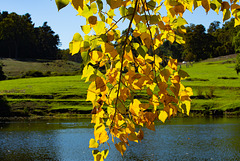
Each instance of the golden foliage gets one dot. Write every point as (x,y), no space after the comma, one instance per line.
(132,64)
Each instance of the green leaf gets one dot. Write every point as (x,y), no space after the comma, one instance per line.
(181,21)
(183,74)
(61,3)
(123,11)
(103,37)
(226,14)
(100,5)
(135,45)
(85,57)
(142,27)
(151,4)
(142,50)
(154,19)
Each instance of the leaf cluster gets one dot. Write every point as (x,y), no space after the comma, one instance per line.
(118,113)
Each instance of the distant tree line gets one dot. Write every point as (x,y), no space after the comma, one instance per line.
(201,44)
(19,38)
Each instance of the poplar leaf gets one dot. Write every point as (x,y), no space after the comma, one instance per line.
(183,74)
(94,8)
(78,3)
(92,20)
(226,14)
(99,28)
(105,153)
(142,50)
(97,155)
(206,5)
(121,147)
(85,57)
(172,63)
(187,106)
(100,84)
(61,3)
(114,3)
(93,143)
(75,44)
(163,116)
(86,29)
(236,22)
(134,107)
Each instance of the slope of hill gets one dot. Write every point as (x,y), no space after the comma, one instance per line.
(17,68)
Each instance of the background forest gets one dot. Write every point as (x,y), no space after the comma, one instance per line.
(19,38)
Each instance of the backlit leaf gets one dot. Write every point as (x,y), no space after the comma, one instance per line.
(121,147)
(163,116)
(93,143)
(86,29)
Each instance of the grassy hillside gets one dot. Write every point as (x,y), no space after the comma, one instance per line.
(216,87)
(215,84)
(17,68)
(45,95)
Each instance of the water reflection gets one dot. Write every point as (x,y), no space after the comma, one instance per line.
(178,139)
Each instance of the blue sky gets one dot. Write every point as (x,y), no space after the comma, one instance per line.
(65,22)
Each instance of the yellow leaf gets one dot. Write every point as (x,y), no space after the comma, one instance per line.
(94,8)
(96,55)
(172,63)
(103,137)
(75,43)
(236,22)
(99,28)
(86,29)
(97,155)
(187,104)
(158,60)
(121,147)
(91,94)
(93,143)
(134,107)
(105,153)
(163,116)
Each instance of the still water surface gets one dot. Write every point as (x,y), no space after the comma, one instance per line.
(68,140)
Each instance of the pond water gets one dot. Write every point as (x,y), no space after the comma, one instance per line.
(68,140)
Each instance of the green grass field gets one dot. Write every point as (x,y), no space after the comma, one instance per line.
(50,94)
(66,94)
(222,82)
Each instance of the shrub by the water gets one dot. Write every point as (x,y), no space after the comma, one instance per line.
(2,75)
